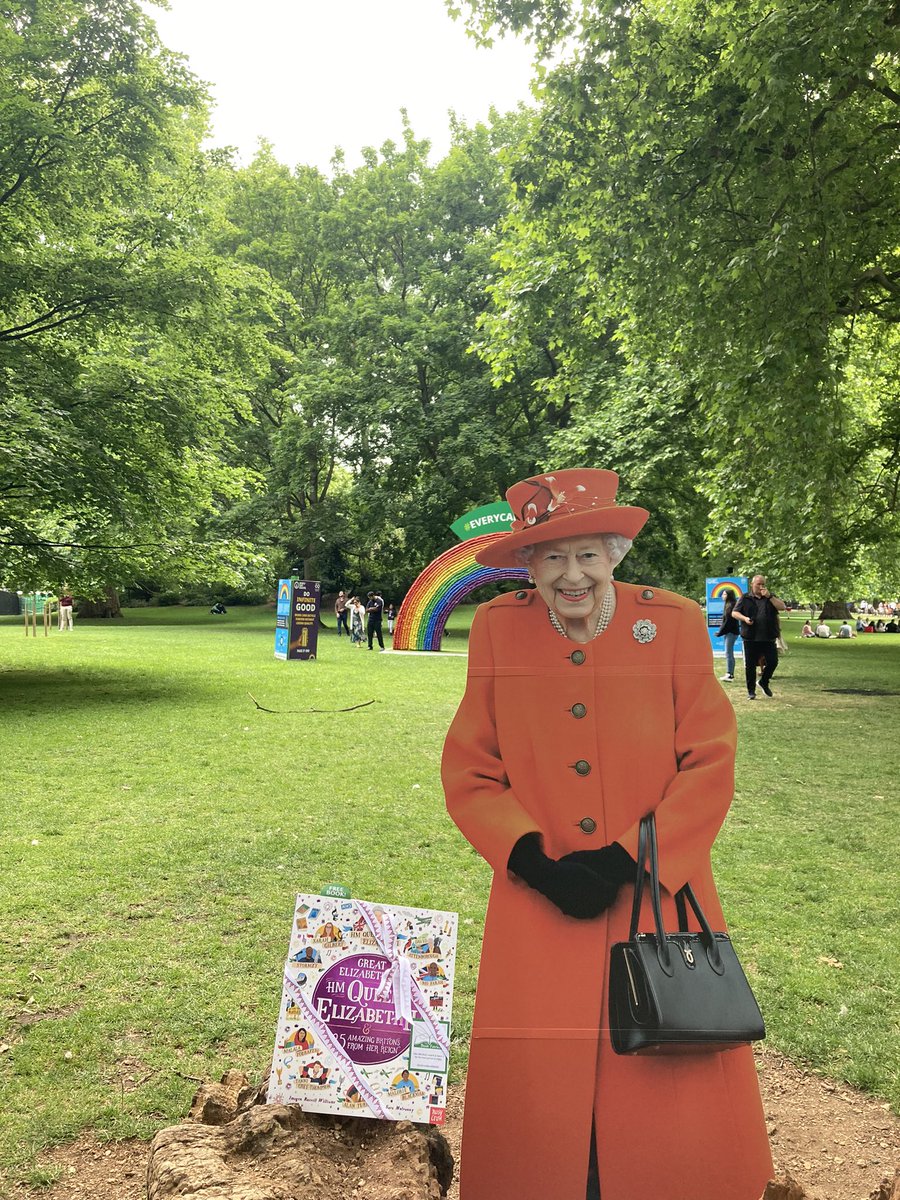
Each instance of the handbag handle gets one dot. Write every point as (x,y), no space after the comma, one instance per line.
(647,847)
(639,879)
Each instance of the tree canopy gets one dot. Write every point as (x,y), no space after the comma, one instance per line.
(112,398)
(710,196)
(374,424)
(682,263)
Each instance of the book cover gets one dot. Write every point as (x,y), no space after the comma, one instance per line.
(367,996)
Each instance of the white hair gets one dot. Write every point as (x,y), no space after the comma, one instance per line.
(617,546)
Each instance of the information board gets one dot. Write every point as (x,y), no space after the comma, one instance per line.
(297,618)
(716,588)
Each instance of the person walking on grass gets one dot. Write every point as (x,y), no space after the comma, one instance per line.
(340,612)
(757,612)
(356,622)
(729,630)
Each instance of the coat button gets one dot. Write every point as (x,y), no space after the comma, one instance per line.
(578,711)
(577,657)
(582,767)
(521,595)
(587,824)
(647,594)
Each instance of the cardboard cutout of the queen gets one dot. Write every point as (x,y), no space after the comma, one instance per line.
(364,1027)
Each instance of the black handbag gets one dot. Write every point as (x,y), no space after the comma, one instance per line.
(676,992)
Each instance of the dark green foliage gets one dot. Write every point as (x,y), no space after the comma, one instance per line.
(682,265)
(111,397)
(714,188)
(375,424)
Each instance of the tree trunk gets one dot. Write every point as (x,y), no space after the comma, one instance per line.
(252,1155)
(834,610)
(109,607)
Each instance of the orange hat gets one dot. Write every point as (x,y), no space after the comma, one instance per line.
(560,505)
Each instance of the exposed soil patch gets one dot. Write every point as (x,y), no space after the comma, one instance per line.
(34,1017)
(836,1142)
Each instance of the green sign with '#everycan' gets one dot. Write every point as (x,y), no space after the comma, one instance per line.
(490,518)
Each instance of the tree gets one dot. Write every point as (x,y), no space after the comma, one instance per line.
(112,396)
(375,425)
(440,437)
(714,188)
(279,224)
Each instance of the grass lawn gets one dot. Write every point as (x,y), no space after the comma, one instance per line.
(155,826)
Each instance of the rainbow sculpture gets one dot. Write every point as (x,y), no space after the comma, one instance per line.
(449,579)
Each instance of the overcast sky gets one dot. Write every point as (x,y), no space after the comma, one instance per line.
(310,75)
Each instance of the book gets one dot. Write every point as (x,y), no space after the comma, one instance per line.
(367,997)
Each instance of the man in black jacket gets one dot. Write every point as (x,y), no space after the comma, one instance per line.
(757,612)
(374,613)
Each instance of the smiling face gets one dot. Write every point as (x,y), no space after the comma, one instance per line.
(572,576)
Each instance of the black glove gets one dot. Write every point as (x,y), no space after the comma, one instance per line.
(574,888)
(612,863)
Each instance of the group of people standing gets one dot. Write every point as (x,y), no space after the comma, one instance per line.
(353,616)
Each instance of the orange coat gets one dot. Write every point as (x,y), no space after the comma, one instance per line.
(655,732)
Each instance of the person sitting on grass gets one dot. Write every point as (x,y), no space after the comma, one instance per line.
(823,630)
(807,630)
(846,630)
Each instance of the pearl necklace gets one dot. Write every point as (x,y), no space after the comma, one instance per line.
(607,608)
